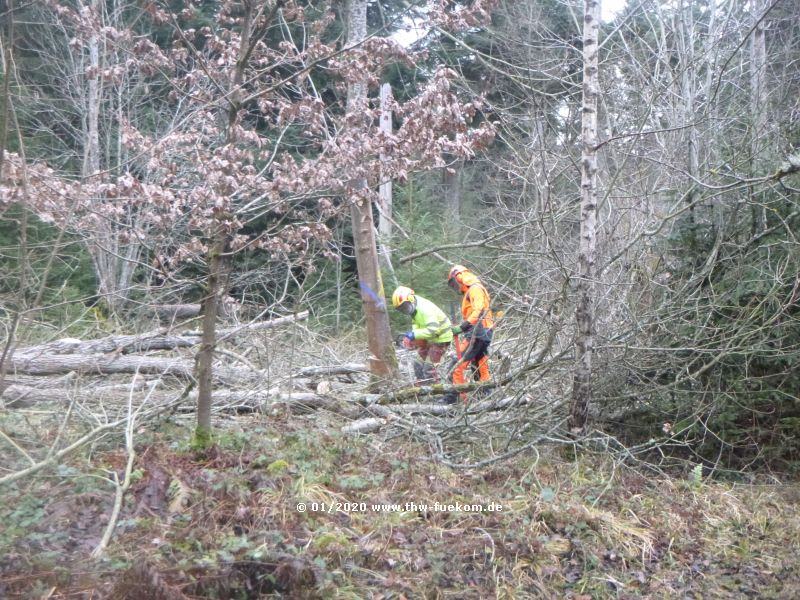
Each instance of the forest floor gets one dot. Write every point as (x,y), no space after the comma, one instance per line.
(285,506)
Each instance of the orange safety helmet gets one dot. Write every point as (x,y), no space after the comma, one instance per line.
(404,300)
(452,277)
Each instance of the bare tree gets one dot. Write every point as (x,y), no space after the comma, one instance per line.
(382,360)
(86,87)
(225,164)
(584,308)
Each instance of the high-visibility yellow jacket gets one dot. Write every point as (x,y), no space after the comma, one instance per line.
(430,323)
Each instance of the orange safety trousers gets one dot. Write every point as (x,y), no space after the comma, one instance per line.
(476,355)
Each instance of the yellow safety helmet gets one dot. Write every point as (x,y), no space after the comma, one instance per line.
(404,300)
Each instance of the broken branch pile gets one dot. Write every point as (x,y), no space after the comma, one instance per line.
(63,370)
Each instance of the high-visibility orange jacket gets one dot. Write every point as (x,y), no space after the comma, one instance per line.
(475,306)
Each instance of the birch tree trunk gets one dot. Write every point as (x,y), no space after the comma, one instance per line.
(584,310)
(385,218)
(451,182)
(114,260)
(758,108)
(382,361)
(91,147)
(685,34)
(102,243)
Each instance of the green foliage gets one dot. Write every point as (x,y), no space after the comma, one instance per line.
(696,475)
(277,467)
(63,268)
(547,494)
(232,439)
(733,322)
(421,211)
(19,514)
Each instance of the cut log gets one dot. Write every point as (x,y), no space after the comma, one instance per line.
(145,342)
(17,396)
(251,401)
(369,425)
(415,392)
(174,312)
(431,409)
(102,364)
(344,369)
(107,364)
(169,313)
(40,382)
(123,344)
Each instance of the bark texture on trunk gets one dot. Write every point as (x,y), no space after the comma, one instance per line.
(382,360)
(385,218)
(205,355)
(219,259)
(584,310)
(451,183)
(758,110)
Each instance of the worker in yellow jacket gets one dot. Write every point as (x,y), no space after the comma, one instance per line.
(477,328)
(431,333)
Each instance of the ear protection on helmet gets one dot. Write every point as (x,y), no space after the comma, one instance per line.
(404,300)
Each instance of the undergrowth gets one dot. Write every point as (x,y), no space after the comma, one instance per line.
(228,523)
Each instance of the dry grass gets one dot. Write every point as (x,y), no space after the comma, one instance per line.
(226,524)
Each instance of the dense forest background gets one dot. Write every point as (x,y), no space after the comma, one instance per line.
(203,185)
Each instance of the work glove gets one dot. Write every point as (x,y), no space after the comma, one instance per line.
(456,330)
(409,335)
(465,327)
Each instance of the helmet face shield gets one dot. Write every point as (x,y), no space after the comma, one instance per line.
(452,277)
(407,308)
(402,295)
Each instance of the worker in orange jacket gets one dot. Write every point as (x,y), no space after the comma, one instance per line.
(477,328)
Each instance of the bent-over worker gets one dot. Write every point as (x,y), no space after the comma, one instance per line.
(430,335)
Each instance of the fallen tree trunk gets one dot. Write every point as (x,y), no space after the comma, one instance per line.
(103,364)
(174,312)
(430,408)
(121,344)
(18,396)
(108,364)
(15,396)
(113,354)
(343,369)
(39,382)
(168,313)
(145,342)
(437,389)
(368,425)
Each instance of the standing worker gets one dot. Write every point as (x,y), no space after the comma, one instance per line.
(431,332)
(476,329)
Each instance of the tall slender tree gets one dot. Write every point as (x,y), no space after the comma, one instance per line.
(382,359)
(584,285)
